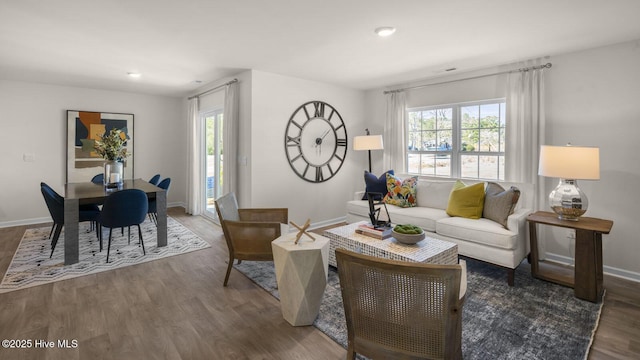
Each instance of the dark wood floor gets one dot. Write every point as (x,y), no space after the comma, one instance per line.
(176,308)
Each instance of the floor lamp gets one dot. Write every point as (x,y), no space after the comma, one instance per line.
(368,142)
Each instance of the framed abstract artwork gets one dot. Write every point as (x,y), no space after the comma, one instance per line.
(83,128)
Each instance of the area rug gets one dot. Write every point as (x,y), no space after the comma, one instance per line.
(532,320)
(31,265)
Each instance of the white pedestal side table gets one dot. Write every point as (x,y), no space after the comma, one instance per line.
(301,273)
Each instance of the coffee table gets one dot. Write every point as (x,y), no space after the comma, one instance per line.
(429,250)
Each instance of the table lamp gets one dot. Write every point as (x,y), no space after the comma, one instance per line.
(569,163)
(368,142)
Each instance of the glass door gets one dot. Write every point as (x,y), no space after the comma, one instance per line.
(213,162)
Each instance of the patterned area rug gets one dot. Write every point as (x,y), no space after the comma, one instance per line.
(533,320)
(31,265)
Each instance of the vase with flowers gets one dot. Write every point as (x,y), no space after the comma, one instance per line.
(111,146)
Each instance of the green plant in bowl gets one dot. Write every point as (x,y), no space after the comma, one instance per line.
(408,234)
(408,229)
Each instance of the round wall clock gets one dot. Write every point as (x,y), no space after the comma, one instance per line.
(315,141)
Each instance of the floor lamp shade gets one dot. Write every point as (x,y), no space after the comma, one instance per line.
(570,164)
(368,142)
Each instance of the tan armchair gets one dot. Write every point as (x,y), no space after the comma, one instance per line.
(401,310)
(248,232)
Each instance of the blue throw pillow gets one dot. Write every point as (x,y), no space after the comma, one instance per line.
(375,184)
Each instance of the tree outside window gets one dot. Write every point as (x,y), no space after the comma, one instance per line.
(462,140)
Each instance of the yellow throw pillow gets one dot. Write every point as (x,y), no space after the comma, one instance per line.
(466,201)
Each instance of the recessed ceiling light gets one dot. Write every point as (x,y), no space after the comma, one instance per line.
(134,74)
(385,30)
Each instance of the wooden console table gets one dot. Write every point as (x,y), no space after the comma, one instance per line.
(588,276)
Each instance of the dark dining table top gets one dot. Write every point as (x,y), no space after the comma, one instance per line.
(88,191)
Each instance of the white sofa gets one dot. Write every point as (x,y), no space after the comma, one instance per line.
(481,239)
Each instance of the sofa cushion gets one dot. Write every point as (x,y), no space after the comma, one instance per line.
(499,203)
(360,208)
(466,201)
(426,218)
(401,192)
(433,194)
(375,184)
(482,231)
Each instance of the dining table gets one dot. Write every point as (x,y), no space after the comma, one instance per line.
(77,194)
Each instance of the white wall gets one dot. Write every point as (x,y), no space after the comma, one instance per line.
(273,182)
(33,119)
(592,99)
(265,178)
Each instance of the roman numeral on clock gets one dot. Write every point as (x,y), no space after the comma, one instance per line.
(330,169)
(293,141)
(318,109)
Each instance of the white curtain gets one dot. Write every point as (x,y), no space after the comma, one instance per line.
(194,163)
(526,131)
(394,133)
(230,138)
(526,126)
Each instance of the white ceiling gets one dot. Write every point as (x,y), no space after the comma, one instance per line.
(94,43)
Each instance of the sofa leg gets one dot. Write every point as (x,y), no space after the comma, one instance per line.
(510,276)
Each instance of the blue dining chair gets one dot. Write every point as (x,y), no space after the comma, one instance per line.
(124,208)
(155,179)
(98,179)
(55,204)
(153,206)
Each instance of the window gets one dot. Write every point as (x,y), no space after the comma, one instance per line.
(461,141)
(212,122)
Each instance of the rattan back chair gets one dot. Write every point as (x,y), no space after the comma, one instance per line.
(401,310)
(248,232)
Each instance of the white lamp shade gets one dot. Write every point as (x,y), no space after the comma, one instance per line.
(569,162)
(368,142)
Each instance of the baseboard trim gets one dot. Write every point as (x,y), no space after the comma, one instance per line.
(24,222)
(47,219)
(321,224)
(609,270)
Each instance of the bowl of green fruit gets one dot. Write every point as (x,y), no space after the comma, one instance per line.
(408,234)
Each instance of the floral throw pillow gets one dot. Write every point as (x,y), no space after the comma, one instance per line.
(401,192)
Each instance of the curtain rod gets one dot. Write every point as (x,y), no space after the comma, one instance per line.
(213,89)
(547,66)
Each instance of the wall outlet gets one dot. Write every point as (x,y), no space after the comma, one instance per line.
(571,234)
(29,157)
